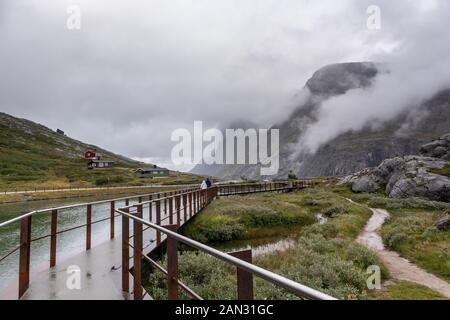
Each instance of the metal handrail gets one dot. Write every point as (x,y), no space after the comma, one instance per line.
(297,288)
(160,199)
(183,286)
(31,213)
(198,189)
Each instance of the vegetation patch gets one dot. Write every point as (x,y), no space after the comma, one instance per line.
(414,236)
(406,291)
(325,256)
(445,171)
(336,267)
(411,230)
(257,215)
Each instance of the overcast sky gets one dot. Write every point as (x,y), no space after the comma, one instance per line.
(137,70)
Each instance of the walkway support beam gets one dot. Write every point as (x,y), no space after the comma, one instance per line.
(24,255)
(53,230)
(244,278)
(172,265)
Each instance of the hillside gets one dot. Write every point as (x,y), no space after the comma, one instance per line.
(34,156)
(351,151)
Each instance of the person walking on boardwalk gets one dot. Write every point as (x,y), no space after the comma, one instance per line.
(203,185)
(208,183)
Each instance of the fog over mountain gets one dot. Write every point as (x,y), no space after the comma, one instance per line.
(136,71)
(351,150)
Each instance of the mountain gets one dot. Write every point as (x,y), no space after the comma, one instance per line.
(33,155)
(351,151)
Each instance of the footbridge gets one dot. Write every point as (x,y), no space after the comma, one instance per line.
(110,264)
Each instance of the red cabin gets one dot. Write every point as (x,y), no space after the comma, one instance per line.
(89,154)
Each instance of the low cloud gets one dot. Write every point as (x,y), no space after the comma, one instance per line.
(418,69)
(138,70)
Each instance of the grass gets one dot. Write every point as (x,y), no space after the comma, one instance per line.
(268,215)
(410,230)
(35,157)
(404,290)
(325,256)
(413,235)
(336,267)
(78,194)
(445,171)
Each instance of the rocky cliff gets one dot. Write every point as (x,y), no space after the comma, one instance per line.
(351,151)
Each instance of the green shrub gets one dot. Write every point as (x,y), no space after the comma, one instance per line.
(335,267)
(215,228)
(376,201)
(108,180)
(335,211)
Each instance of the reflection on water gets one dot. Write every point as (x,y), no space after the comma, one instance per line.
(261,246)
(258,246)
(67,243)
(281,245)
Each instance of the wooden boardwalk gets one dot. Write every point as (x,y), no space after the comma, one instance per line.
(100,267)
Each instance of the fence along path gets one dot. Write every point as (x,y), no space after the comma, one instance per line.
(112,269)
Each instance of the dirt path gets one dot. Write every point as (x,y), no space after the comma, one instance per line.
(400,268)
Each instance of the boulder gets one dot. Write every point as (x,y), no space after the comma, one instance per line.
(443,224)
(365,184)
(404,177)
(437,149)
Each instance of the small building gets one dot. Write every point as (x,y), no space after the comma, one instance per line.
(100,164)
(89,154)
(153,172)
(59,131)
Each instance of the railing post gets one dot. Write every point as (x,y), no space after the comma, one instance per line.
(24,255)
(137,257)
(177,204)
(244,278)
(194,200)
(171,210)
(184,208)
(197,193)
(158,222)
(125,252)
(150,207)
(165,204)
(53,230)
(190,205)
(112,220)
(205,197)
(88,226)
(172,265)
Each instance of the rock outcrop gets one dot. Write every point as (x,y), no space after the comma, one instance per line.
(410,176)
(443,224)
(437,149)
